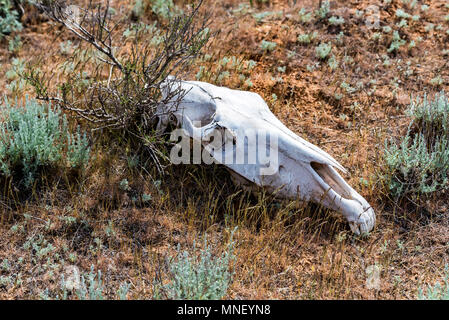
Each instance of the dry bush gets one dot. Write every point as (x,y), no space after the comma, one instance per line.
(121,81)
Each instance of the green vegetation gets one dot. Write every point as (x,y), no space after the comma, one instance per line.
(323,11)
(268,46)
(438,291)
(36,138)
(336,20)
(396,43)
(262,16)
(162,7)
(323,50)
(418,164)
(8,18)
(92,290)
(304,16)
(202,277)
(307,38)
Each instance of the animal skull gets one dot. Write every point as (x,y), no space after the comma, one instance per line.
(232,128)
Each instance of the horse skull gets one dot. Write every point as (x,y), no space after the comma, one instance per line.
(236,128)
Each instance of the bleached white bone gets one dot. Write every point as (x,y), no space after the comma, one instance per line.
(302,170)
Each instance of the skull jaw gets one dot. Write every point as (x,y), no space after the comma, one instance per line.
(323,186)
(340,197)
(359,214)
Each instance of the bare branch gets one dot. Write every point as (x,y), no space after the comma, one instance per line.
(127,89)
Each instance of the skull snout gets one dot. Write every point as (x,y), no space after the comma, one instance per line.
(339,196)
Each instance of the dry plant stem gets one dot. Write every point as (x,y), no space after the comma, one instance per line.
(131,92)
(100,36)
(141,76)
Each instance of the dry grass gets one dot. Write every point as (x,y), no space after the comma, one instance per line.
(284,250)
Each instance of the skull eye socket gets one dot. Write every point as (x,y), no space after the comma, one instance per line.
(173,119)
(329,177)
(201,114)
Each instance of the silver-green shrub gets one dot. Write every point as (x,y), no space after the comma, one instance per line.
(396,43)
(36,136)
(164,8)
(438,291)
(198,277)
(268,46)
(418,164)
(94,289)
(323,10)
(336,20)
(9,18)
(323,50)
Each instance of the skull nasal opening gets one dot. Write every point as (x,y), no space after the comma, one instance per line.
(330,177)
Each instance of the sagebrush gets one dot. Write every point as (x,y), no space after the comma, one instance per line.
(417,166)
(438,291)
(9,18)
(202,277)
(35,137)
